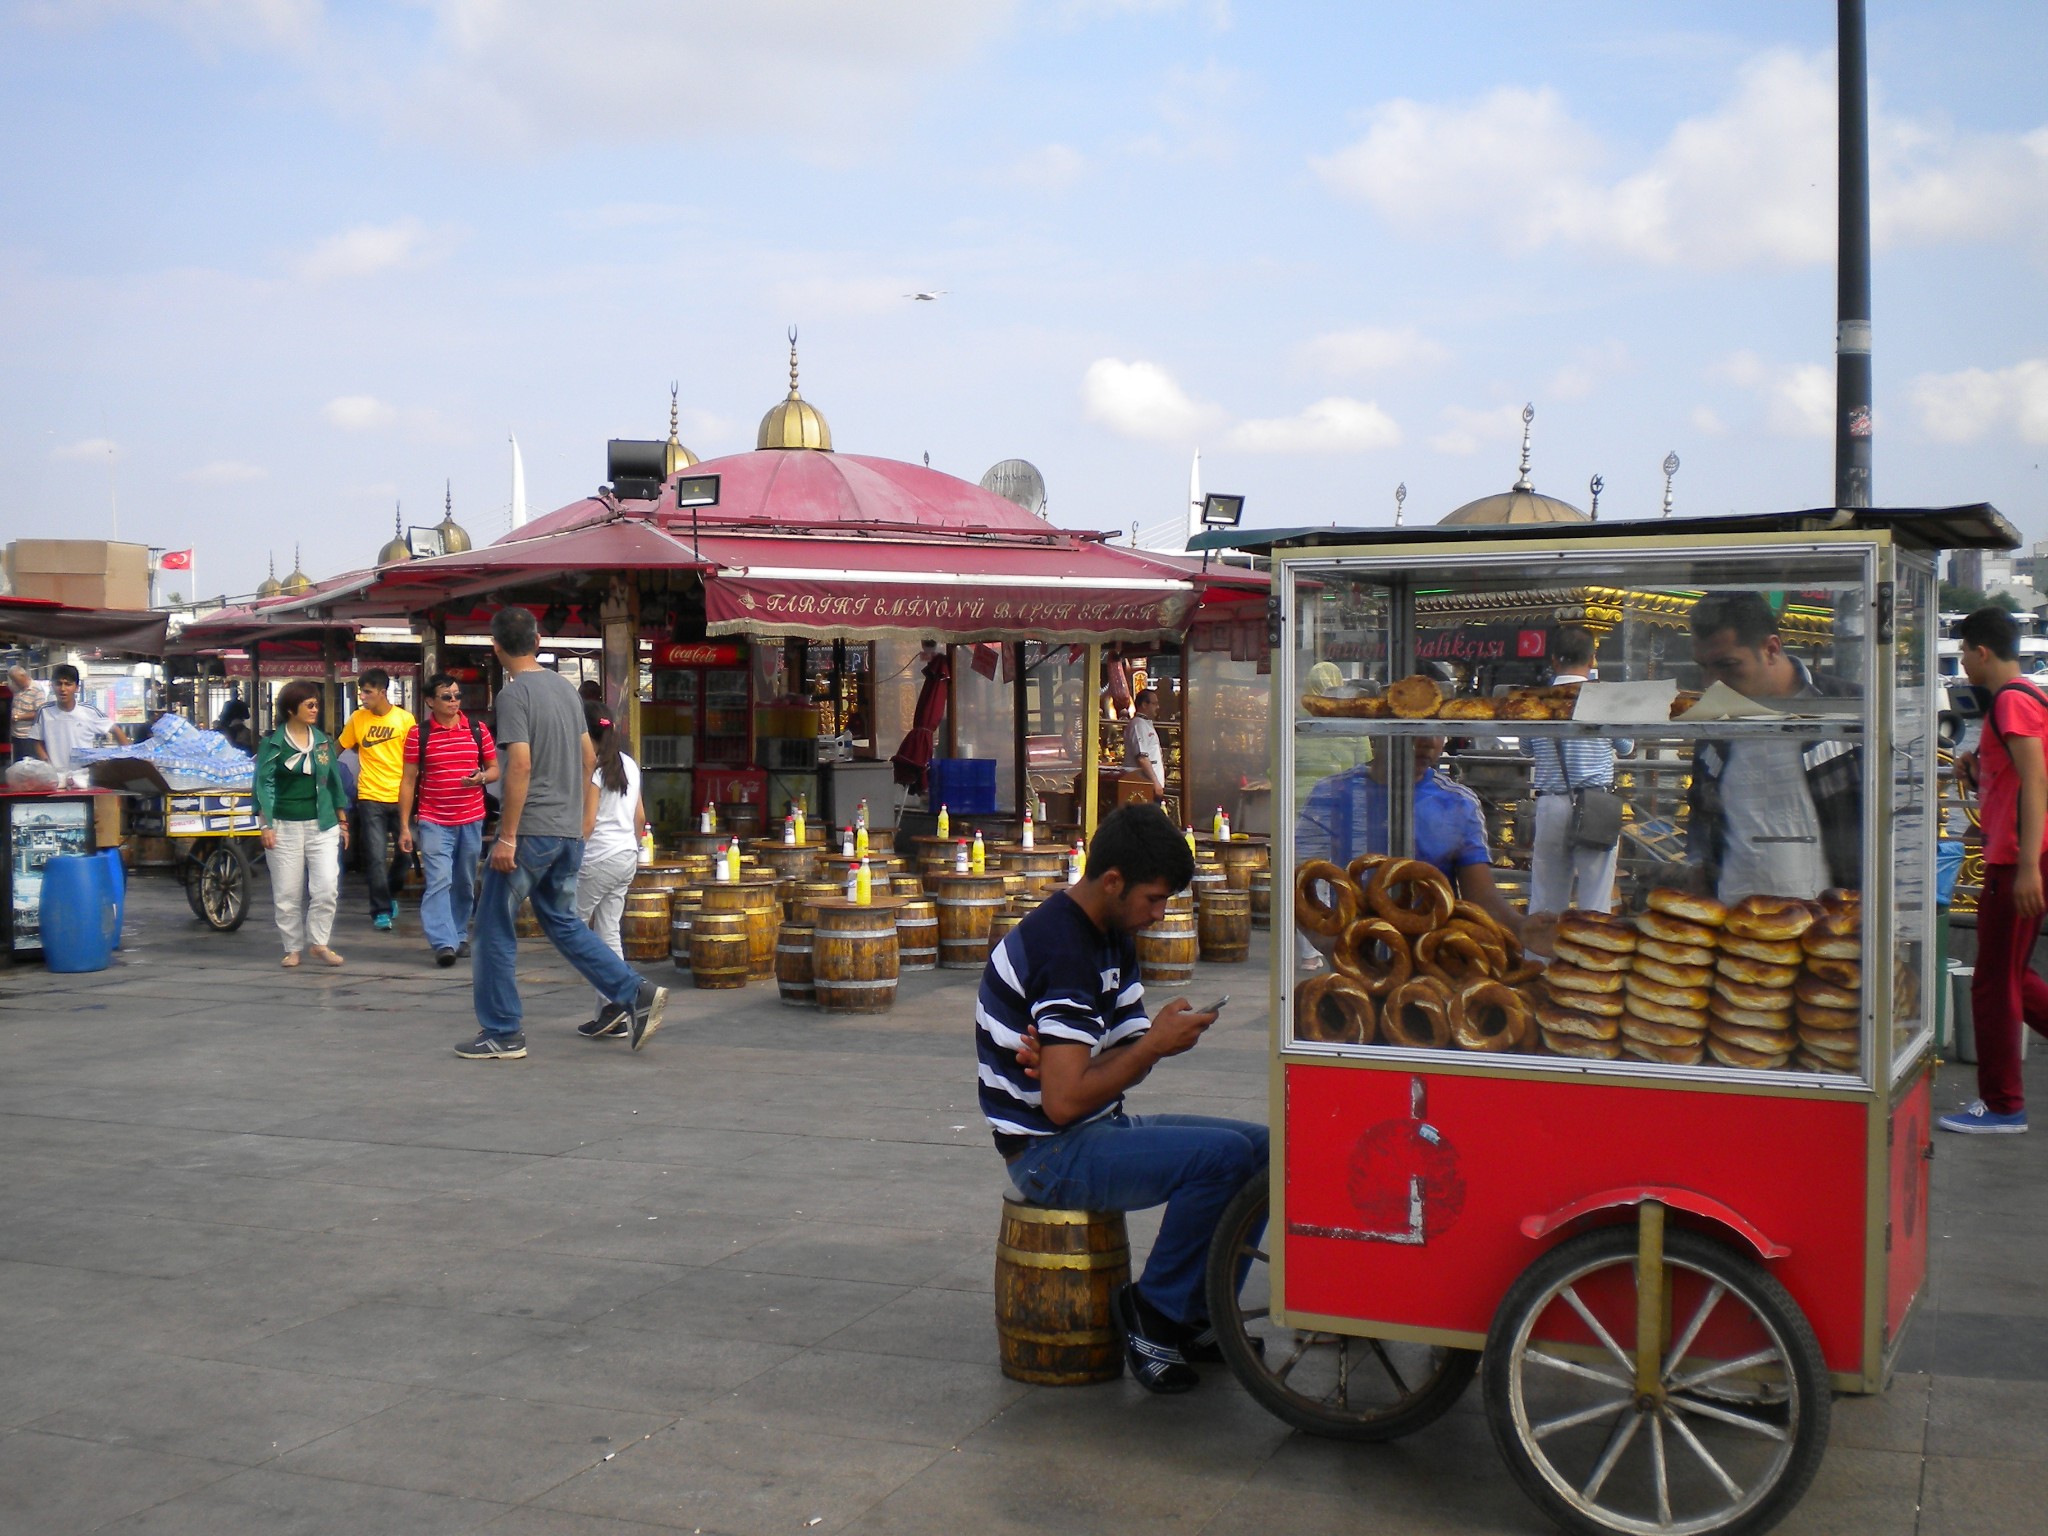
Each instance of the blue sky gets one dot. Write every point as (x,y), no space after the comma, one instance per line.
(279,263)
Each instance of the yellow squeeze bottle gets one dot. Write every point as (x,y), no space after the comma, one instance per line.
(945,823)
(1191,839)
(980,855)
(797,820)
(732,861)
(860,838)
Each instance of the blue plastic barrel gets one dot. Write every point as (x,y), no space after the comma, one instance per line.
(117,878)
(77,898)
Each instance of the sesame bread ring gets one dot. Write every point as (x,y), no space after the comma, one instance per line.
(1334,1010)
(1579,1045)
(1314,914)
(1489,1016)
(1815,1017)
(1694,1019)
(1780,953)
(1521,972)
(1769,917)
(1756,973)
(1568,977)
(1675,954)
(1415,897)
(1593,959)
(1415,698)
(1756,999)
(1746,1018)
(1490,940)
(1608,1005)
(1846,974)
(1452,957)
(1597,930)
(1732,1055)
(1417,1014)
(1669,1055)
(1812,989)
(1701,910)
(1360,869)
(1769,1042)
(1670,997)
(1635,1027)
(1673,930)
(1553,1020)
(1464,911)
(1358,956)
(1674,975)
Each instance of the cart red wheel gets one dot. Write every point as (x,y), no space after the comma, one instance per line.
(1696,1403)
(1342,1386)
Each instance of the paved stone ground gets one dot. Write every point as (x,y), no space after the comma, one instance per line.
(273,1260)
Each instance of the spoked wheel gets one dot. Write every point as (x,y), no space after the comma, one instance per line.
(1696,1401)
(1337,1385)
(188,874)
(219,888)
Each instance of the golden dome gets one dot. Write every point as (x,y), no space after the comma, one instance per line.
(270,586)
(795,422)
(677,457)
(298,582)
(454,537)
(1520,504)
(397,550)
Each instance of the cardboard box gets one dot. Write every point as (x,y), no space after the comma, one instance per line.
(88,573)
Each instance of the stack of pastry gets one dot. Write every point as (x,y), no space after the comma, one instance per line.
(1756,967)
(1667,994)
(1828,998)
(1583,1003)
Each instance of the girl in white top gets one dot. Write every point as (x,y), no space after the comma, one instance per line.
(613,821)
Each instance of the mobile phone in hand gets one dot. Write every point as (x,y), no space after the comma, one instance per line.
(1217,1006)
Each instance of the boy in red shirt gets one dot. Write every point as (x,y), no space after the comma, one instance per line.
(2011,781)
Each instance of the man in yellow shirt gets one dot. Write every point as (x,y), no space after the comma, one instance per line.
(378,731)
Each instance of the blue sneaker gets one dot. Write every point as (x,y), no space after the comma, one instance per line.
(489,1047)
(381,922)
(1973,1119)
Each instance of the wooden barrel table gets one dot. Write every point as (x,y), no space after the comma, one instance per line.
(741,817)
(1262,898)
(917,935)
(854,959)
(1208,877)
(703,845)
(907,886)
(718,950)
(680,920)
(790,861)
(643,927)
(803,898)
(1241,857)
(1167,950)
(967,904)
(793,965)
(754,900)
(838,866)
(1055,1273)
(999,928)
(1223,924)
(665,875)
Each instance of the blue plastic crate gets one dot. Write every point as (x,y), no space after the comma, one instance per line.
(964,785)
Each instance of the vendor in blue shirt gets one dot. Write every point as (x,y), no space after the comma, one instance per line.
(1346,815)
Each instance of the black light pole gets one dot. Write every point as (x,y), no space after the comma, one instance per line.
(1852,263)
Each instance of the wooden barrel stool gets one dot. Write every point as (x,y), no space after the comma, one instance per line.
(808,893)
(755,901)
(790,861)
(907,886)
(999,928)
(793,965)
(679,923)
(1208,877)
(718,950)
(1262,898)
(1055,1273)
(1241,857)
(1224,926)
(1167,950)
(643,927)
(664,876)
(854,957)
(967,904)
(917,935)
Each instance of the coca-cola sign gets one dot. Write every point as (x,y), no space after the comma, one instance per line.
(670,654)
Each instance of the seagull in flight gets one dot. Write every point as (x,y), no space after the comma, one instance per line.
(927,295)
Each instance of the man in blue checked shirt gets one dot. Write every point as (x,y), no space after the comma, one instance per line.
(1060,1034)
(1562,874)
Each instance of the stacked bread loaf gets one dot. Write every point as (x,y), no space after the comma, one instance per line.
(1828,998)
(1756,968)
(1584,1000)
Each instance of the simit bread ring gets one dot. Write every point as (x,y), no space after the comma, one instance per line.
(1490,940)
(1360,869)
(1846,974)
(1606,1004)
(1334,1010)
(1418,1014)
(1834,936)
(1812,989)
(1769,1042)
(1756,999)
(1424,898)
(1815,1017)
(1675,954)
(1579,1045)
(1673,930)
(1694,1019)
(1780,953)
(1670,997)
(1748,1018)
(1687,907)
(1674,975)
(1570,978)
(1489,1016)
(1769,917)
(1669,1055)
(1357,956)
(1598,930)
(1312,914)
(1593,959)
(1473,913)
(1732,1055)
(1637,1028)
(1553,1020)
(1452,957)
(1756,972)
(1415,698)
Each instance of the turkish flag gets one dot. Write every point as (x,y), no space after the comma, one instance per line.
(1530,643)
(175,560)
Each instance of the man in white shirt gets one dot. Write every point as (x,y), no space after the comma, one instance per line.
(1141,741)
(1563,874)
(70,723)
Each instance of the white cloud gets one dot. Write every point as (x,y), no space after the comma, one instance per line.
(1798,398)
(1335,425)
(1466,430)
(1707,422)
(371,248)
(226,472)
(1143,400)
(1752,181)
(1049,168)
(1975,402)
(1368,350)
(88,448)
(291,24)
(359,413)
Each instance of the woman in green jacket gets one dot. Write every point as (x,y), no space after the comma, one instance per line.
(299,796)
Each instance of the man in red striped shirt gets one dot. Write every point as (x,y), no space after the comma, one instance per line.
(448,760)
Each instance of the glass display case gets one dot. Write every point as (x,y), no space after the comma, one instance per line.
(1714,857)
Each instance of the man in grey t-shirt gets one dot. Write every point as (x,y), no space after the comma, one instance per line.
(548,758)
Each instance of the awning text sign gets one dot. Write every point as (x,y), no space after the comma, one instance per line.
(982,611)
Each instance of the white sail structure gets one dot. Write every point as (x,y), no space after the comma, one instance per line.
(1195,497)
(518,485)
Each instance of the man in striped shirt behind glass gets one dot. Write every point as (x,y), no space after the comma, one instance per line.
(1563,875)
(1061,1033)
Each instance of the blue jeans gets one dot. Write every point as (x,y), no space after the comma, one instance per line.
(378,820)
(450,855)
(545,873)
(1194,1163)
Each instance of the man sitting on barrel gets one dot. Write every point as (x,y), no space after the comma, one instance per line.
(1061,1033)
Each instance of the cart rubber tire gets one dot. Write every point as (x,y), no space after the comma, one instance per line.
(1439,1377)
(188,875)
(220,889)
(1804,1405)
